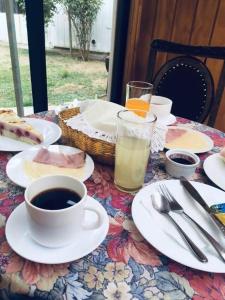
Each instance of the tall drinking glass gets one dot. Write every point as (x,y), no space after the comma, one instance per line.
(138,95)
(134,134)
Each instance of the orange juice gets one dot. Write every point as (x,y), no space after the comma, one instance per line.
(137,103)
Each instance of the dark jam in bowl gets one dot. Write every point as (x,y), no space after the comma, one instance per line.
(182,159)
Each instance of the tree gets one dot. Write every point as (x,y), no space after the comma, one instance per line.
(49,7)
(83,13)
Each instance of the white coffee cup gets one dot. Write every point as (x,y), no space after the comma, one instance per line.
(161,106)
(58,228)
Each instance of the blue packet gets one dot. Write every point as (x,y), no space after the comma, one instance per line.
(218,210)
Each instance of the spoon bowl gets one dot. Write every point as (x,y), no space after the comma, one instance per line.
(159,204)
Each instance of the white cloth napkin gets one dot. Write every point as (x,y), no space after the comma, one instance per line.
(98,120)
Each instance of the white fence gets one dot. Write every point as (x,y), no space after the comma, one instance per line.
(57,34)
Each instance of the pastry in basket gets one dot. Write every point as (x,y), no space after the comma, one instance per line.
(92,127)
(48,162)
(16,128)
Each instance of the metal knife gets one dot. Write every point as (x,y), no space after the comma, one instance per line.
(195,195)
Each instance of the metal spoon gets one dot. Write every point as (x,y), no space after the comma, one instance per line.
(161,204)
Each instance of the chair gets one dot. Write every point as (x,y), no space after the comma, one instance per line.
(187,80)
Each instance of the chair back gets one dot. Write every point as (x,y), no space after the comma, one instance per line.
(186,79)
(189,84)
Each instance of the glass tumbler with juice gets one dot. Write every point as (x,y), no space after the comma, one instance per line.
(134,133)
(138,96)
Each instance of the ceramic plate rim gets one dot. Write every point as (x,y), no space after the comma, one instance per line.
(27,146)
(212,178)
(206,137)
(156,244)
(20,155)
(104,229)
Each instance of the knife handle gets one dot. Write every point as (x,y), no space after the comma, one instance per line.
(197,197)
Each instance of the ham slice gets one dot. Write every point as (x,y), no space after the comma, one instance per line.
(173,134)
(75,160)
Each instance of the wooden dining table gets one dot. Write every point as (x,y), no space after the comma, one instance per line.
(125,266)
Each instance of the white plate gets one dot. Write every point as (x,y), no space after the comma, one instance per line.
(192,139)
(51,133)
(161,233)
(15,166)
(19,239)
(214,167)
(170,119)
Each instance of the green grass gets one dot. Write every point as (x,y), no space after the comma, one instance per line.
(67,78)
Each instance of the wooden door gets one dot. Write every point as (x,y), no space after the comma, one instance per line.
(193,22)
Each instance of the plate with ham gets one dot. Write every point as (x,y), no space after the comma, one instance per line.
(187,139)
(40,161)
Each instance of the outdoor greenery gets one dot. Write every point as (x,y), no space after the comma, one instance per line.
(68,78)
(83,14)
(49,7)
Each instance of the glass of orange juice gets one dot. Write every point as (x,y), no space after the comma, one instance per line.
(138,95)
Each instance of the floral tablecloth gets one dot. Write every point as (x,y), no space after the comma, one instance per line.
(124,266)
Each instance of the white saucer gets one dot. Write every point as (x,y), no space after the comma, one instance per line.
(170,119)
(20,241)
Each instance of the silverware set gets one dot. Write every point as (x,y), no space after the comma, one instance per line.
(164,202)
(197,197)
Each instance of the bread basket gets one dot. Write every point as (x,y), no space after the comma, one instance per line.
(101,151)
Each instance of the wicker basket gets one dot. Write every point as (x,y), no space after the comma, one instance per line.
(101,151)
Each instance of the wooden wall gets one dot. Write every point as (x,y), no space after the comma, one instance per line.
(195,22)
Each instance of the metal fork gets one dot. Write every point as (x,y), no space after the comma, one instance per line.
(176,207)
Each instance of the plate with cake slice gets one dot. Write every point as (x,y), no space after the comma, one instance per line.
(18,134)
(39,161)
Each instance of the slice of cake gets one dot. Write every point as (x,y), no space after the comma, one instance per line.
(16,128)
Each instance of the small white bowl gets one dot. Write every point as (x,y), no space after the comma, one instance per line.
(181,163)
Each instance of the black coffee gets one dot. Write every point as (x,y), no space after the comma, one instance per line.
(55,199)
